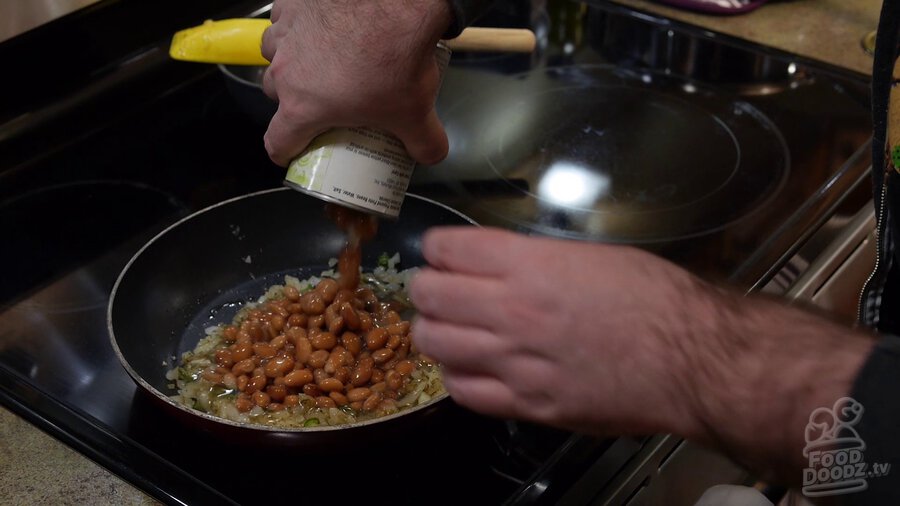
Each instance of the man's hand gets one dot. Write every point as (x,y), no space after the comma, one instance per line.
(613,340)
(354,63)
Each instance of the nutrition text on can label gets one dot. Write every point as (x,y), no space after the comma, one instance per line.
(363,167)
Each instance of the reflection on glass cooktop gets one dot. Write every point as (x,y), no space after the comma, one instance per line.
(602,153)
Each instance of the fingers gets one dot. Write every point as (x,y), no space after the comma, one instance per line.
(426,141)
(287,138)
(463,348)
(456,298)
(471,250)
(275,13)
(269,43)
(268,82)
(485,394)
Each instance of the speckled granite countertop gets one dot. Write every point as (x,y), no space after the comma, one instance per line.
(37,469)
(829,31)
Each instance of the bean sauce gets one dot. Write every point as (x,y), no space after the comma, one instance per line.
(359,227)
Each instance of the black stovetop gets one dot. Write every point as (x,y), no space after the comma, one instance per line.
(84,183)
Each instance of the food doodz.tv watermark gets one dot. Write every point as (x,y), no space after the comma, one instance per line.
(836,453)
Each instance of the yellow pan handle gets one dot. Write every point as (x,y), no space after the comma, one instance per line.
(229,41)
(238,41)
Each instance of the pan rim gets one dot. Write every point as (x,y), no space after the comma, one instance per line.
(141,382)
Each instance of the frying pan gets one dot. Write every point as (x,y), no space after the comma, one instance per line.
(200,270)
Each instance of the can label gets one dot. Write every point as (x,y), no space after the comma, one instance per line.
(363,168)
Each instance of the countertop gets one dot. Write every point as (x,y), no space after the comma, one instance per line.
(37,469)
(828,31)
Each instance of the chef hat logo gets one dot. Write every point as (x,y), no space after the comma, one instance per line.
(832,429)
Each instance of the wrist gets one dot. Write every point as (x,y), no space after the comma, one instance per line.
(760,375)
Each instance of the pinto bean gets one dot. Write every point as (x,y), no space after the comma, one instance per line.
(339,398)
(291,400)
(243,337)
(358,394)
(291,293)
(372,401)
(256,384)
(295,333)
(229,334)
(330,385)
(315,322)
(351,342)
(261,399)
(405,367)
(393,342)
(336,326)
(264,350)
(311,390)
(296,320)
(298,377)
(318,358)
(365,322)
(255,330)
(328,289)
(312,303)
(387,366)
(303,350)
(320,375)
(241,351)
(323,341)
(398,329)
(376,338)
(363,372)
(387,405)
(211,376)
(343,374)
(279,366)
(243,367)
(393,380)
(276,392)
(391,317)
(279,341)
(243,404)
(383,355)
(367,296)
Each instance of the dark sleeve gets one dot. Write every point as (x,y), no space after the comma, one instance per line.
(877,389)
(465,12)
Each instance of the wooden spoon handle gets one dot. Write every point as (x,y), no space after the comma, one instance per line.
(499,40)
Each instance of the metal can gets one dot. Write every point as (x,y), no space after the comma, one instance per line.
(366,169)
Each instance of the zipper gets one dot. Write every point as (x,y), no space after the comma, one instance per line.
(879,248)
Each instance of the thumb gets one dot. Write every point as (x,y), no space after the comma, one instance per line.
(425,142)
